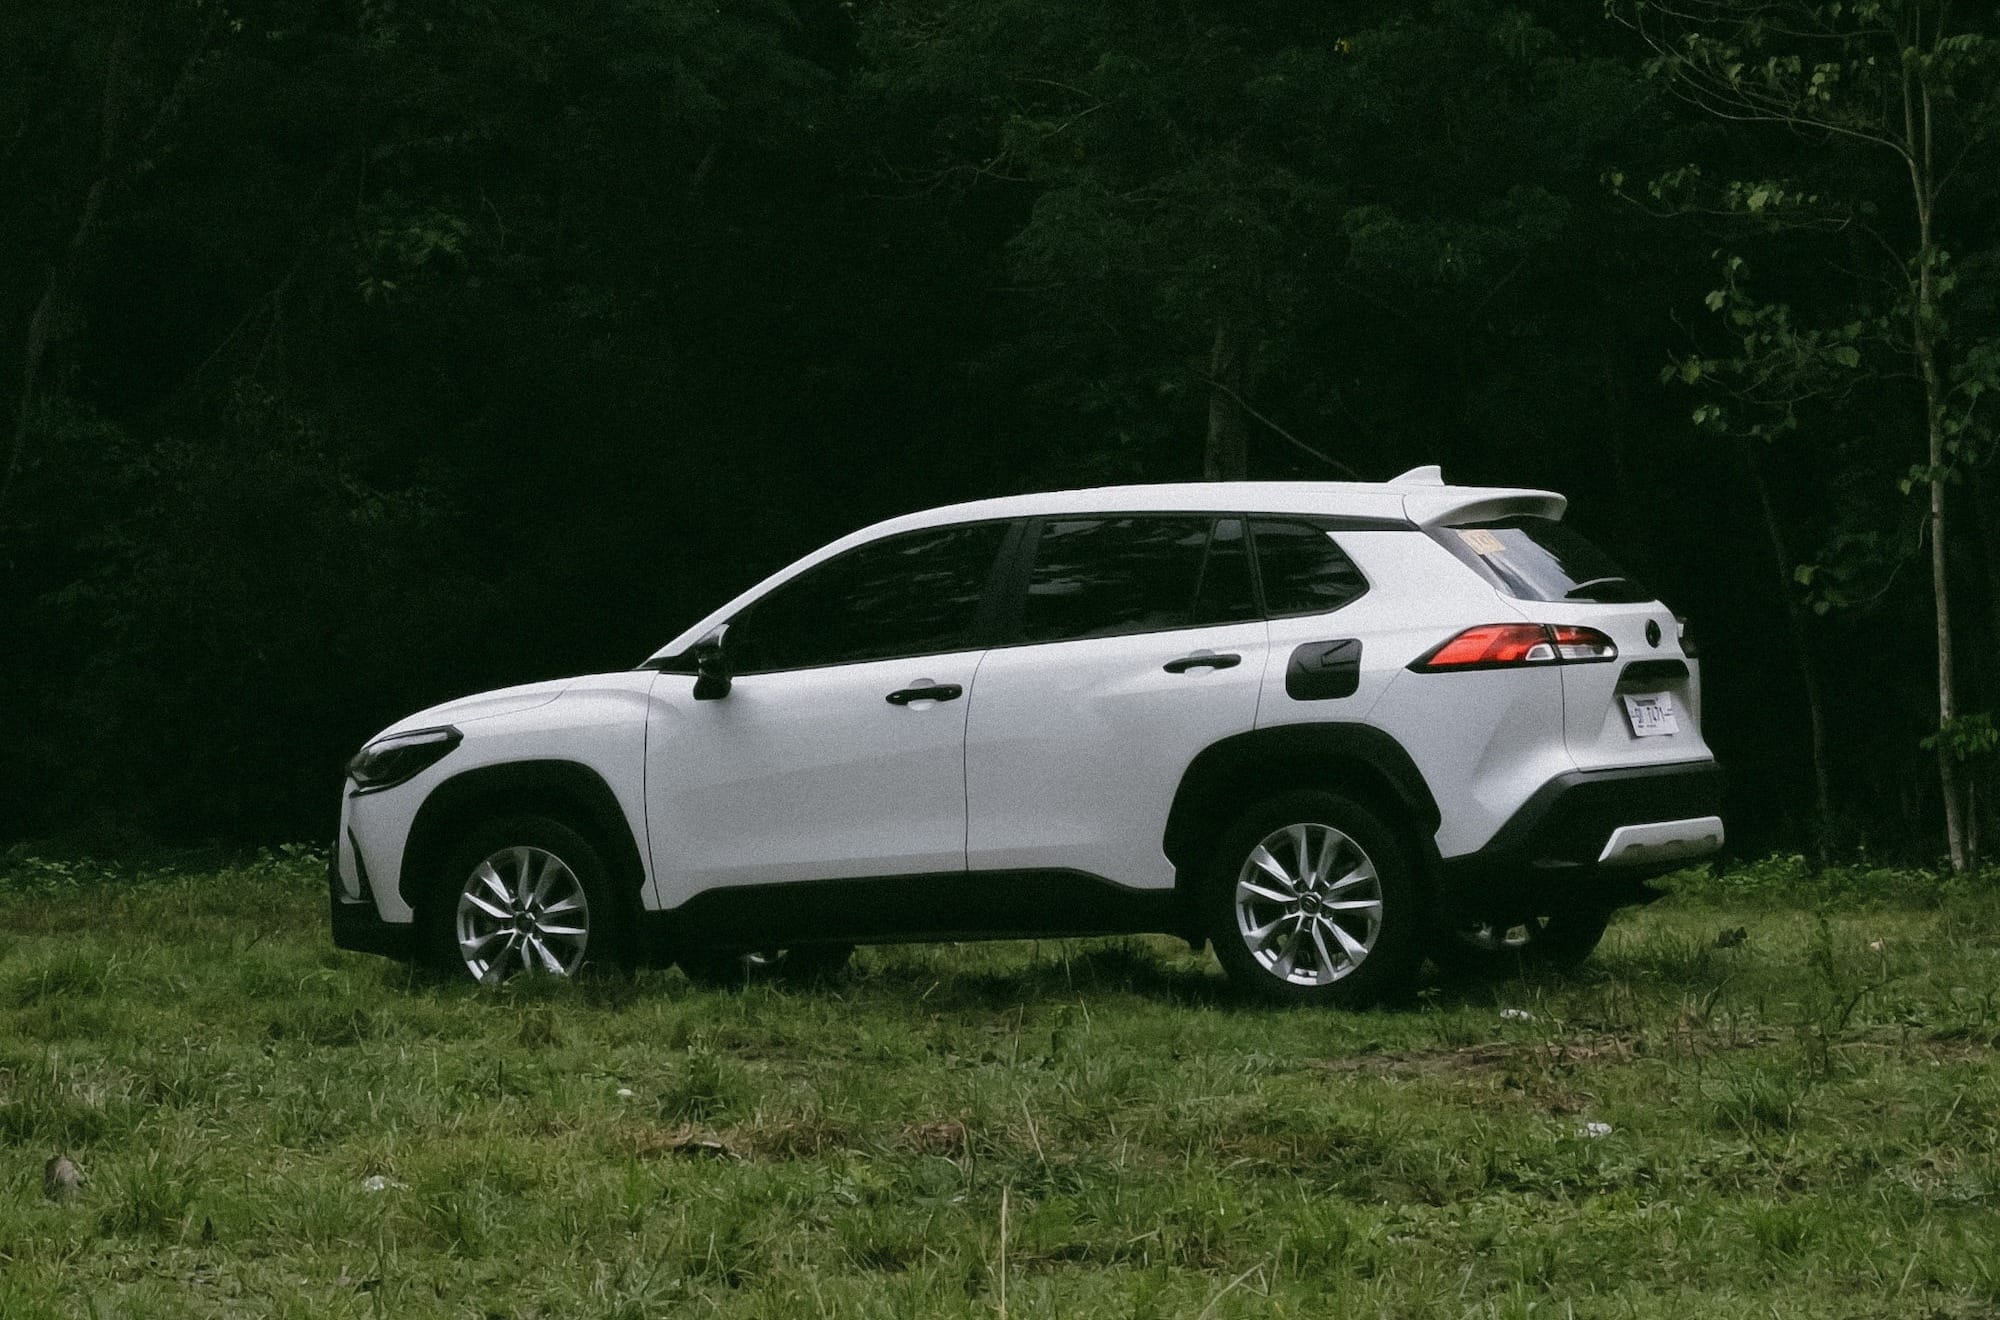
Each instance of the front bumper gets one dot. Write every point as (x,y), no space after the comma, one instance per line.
(1589,838)
(357,926)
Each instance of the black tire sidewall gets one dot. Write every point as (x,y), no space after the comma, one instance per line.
(802,965)
(1388,972)
(609,945)
(809,964)
(1559,942)
(714,969)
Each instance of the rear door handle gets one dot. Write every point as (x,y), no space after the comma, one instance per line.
(935,692)
(1202,660)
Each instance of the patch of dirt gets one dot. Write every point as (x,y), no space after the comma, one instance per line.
(652,1143)
(940,1136)
(1547,1055)
(1685,1040)
(785,1140)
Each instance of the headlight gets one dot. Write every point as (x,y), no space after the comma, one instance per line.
(389,761)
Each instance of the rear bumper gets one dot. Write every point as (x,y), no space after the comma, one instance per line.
(357,926)
(1589,837)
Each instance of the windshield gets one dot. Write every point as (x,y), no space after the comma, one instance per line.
(1541,559)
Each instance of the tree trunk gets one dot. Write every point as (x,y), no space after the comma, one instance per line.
(45,323)
(1227,457)
(1795,616)
(1923,321)
(1986,505)
(1954,811)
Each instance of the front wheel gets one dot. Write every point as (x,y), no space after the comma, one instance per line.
(525,895)
(1312,899)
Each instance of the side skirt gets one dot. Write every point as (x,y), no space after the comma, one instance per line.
(953,905)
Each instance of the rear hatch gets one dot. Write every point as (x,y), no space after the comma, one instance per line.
(1639,707)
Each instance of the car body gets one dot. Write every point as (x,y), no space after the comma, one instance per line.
(1050,714)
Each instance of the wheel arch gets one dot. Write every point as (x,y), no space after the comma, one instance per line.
(1359,760)
(567,791)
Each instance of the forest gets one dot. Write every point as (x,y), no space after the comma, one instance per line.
(356,354)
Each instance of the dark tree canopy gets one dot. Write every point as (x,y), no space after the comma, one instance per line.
(360,354)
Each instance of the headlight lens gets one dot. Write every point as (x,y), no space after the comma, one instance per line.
(389,761)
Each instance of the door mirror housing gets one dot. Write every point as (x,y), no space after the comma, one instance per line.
(711,667)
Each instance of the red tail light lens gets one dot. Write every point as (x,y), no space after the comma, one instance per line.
(1516,645)
(1491,646)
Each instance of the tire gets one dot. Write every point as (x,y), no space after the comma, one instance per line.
(1271,913)
(1559,943)
(526,892)
(731,969)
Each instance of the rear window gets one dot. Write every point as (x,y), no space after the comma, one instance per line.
(1105,576)
(1541,559)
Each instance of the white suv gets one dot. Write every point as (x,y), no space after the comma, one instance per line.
(1328,728)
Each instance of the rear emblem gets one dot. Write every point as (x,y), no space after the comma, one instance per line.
(1652,632)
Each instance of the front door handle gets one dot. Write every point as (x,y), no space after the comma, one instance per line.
(1202,660)
(935,692)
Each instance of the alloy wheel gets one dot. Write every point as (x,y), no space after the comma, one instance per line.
(1308,904)
(522,910)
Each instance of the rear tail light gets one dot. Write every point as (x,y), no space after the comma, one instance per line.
(1515,646)
(1581,646)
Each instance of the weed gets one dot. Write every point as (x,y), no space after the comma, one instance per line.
(155,1197)
(1760,1103)
(706,1086)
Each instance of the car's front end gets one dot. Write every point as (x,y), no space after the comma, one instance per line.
(367,917)
(387,783)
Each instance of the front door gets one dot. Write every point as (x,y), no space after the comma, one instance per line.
(839,751)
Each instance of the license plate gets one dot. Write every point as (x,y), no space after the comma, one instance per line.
(1652,714)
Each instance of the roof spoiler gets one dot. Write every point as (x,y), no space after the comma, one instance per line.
(1454,505)
(1435,504)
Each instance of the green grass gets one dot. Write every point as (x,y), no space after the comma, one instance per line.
(1805,1122)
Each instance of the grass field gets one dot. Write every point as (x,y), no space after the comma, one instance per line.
(1802,1121)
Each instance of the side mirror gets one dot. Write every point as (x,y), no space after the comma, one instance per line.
(711,667)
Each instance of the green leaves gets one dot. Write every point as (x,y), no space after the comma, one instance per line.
(1965,738)
(1853,569)
(1777,365)
(407,242)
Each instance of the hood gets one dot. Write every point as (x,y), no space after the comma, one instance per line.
(481,705)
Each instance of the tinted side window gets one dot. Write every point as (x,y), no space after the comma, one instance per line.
(1098,577)
(1304,572)
(914,594)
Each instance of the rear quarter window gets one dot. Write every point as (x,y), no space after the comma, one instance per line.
(1303,571)
(1541,559)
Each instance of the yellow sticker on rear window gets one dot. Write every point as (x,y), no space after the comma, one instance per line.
(1480,541)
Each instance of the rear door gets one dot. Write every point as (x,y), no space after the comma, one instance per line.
(1137,643)
(1643,707)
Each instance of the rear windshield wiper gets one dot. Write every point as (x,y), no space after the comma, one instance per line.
(1603,588)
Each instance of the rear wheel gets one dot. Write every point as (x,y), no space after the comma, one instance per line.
(525,895)
(1490,951)
(1311,899)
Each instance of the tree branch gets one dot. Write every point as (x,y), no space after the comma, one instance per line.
(1278,430)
